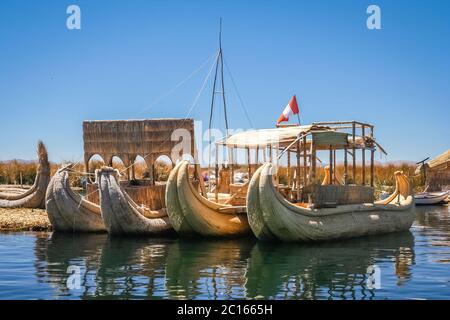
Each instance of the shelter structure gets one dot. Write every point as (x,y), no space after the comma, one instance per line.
(129,139)
(436,172)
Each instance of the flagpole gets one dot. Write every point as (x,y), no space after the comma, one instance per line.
(298,117)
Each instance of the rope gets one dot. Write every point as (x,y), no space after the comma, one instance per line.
(179,84)
(191,108)
(238,94)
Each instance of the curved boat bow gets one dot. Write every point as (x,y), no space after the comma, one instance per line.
(121,214)
(67,210)
(190,212)
(35,196)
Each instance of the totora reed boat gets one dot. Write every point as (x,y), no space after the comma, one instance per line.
(34,197)
(329,210)
(121,214)
(67,210)
(192,213)
(271,216)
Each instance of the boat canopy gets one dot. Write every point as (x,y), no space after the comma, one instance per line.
(282,137)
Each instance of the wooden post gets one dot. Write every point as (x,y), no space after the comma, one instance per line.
(216,173)
(257,155)
(354,152)
(313,162)
(289,167)
(21,180)
(232,164)
(372,162)
(305,161)
(270,153)
(345,165)
(249,163)
(331,165)
(298,170)
(334,164)
(133,175)
(363,159)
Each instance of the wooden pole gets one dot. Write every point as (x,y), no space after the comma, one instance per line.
(249,163)
(298,170)
(313,162)
(216,173)
(372,161)
(345,165)
(331,165)
(354,152)
(363,159)
(270,153)
(334,164)
(289,167)
(232,164)
(305,161)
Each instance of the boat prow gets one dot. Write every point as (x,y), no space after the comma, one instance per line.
(35,196)
(190,212)
(67,210)
(268,210)
(121,214)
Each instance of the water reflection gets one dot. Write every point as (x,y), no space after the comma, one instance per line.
(129,268)
(328,270)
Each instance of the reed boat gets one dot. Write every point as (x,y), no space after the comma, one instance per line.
(33,197)
(286,221)
(192,213)
(67,210)
(121,214)
(431,198)
(334,209)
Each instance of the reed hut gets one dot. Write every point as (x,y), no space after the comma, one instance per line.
(436,172)
(128,139)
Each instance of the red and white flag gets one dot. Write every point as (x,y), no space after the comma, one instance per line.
(291,109)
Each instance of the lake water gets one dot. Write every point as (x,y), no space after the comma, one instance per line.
(411,265)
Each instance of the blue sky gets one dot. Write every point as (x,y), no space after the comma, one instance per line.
(128,53)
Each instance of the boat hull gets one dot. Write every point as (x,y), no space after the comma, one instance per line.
(193,214)
(431,198)
(288,222)
(67,210)
(121,214)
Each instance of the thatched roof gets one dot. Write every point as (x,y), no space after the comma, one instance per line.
(441,161)
(127,139)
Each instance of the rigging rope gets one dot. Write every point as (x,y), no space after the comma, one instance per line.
(238,94)
(179,84)
(193,105)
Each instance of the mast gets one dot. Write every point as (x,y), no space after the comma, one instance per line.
(218,69)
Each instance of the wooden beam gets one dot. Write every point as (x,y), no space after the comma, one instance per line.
(354,152)
(345,166)
(216,173)
(331,165)
(289,167)
(313,163)
(298,171)
(249,163)
(372,162)
(363,159)
(305,161)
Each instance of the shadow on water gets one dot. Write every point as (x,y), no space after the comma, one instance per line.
(152,268)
